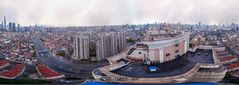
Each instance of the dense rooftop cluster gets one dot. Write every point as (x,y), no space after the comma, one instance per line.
(16,47)
(232,40)
(59,42)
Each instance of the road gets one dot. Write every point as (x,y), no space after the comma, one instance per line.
(60,65)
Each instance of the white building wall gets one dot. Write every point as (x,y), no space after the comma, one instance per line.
(81,50)
(161,56)
(109,44)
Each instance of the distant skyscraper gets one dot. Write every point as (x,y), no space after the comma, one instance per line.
(18,28)
(9,26)
(13,27)
(81,45)
(5,22)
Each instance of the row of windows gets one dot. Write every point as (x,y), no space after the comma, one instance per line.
(168,54)
(176,45)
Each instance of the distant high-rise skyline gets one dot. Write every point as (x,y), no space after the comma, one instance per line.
(107,12)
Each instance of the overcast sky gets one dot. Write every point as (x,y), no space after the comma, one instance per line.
(106,12)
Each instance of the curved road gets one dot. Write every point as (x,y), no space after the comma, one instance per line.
(60,65)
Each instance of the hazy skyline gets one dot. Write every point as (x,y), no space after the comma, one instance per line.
(107,12)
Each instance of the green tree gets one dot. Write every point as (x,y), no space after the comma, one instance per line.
(61,53)
(93,50)
(130,40)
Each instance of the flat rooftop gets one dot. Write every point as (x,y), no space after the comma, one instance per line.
(200,56)
(175,67)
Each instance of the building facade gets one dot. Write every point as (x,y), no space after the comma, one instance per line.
(81,45)
(159,47)
(200,65)
(110,44)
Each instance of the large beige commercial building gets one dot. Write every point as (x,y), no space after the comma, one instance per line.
(160,46)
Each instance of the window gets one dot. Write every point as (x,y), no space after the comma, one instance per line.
(176,45)
(140,53)
(176,51)
(168,54)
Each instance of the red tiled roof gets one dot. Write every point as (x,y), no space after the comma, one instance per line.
(13,72)
(233,65)
(46,71)
(223,52)
(227,58)
(3,62)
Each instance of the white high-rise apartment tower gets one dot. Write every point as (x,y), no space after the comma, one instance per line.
(81,45)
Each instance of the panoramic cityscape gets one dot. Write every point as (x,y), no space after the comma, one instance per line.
(119,42)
